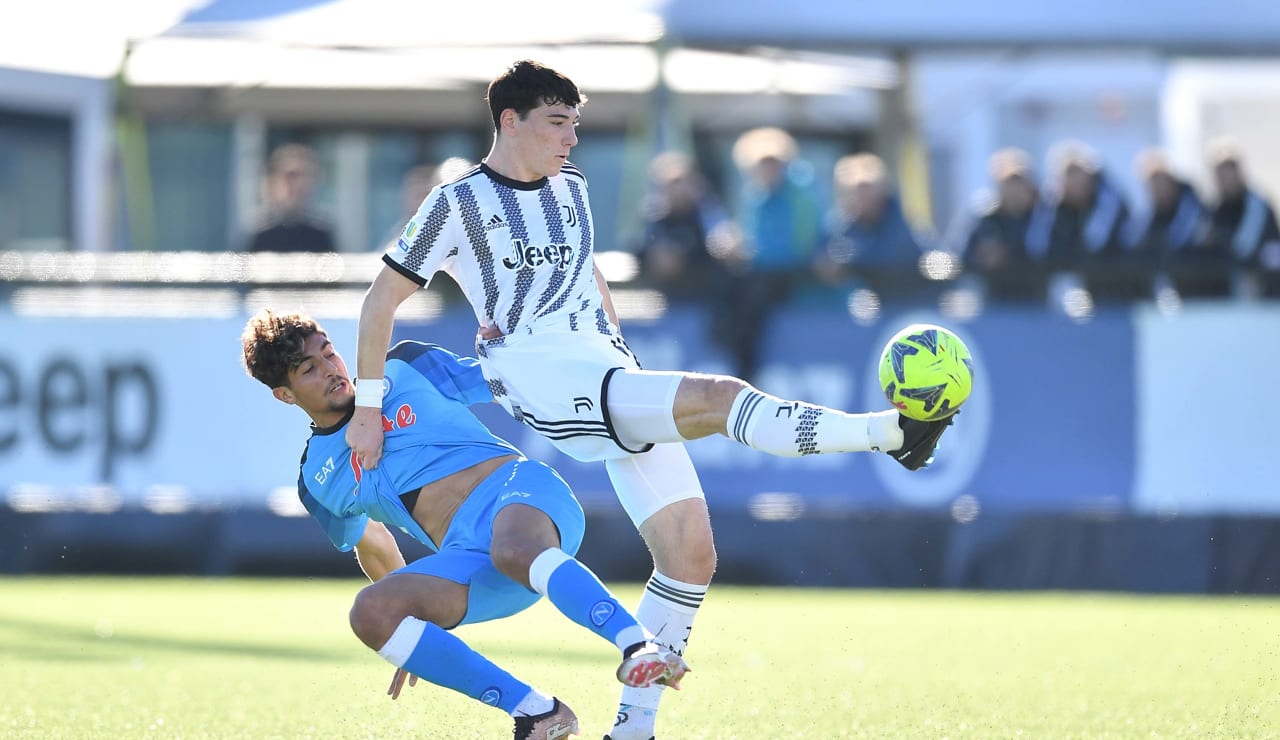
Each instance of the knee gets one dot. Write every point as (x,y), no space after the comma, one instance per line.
(512,558)
(682,547)
(696,562)
(699,556)
(375,614)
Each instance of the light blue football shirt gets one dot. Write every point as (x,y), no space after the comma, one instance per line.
(429,434)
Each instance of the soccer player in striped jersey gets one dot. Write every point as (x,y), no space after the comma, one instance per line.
(503,528)
(517,235)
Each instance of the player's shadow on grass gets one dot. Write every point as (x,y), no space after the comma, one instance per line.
(64,643)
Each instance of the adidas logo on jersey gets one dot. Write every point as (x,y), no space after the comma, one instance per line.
(494,223)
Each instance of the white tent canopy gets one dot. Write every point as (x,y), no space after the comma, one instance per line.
(399,24)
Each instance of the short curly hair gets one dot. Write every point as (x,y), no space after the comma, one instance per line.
(274,343)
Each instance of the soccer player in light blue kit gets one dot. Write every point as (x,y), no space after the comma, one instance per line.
(503,528)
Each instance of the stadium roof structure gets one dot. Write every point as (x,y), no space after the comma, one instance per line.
(1182,26)
(1223,26)
(614,46)
(398,24)
(41,38)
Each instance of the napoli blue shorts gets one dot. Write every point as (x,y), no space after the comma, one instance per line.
(464,555)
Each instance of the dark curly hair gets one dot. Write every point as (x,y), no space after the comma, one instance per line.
(526,85)
(273,344)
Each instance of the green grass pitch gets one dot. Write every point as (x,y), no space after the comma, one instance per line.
(161,658)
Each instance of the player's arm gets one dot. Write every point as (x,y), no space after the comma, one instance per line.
(608,297)
(377,319)
(377,551)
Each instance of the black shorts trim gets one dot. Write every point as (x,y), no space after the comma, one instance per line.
(608,422)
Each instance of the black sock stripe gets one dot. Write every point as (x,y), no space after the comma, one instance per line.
(744,415)
(737,422)
(675,600)
(662,584)
(662,589)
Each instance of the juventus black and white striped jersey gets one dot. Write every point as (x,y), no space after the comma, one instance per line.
(522,252)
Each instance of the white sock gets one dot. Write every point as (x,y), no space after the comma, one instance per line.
(533,704)
(795,428)
(633,723)
(402,642)
(666,610)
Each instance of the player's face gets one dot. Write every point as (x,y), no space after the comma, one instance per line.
(320,384)
(545,137)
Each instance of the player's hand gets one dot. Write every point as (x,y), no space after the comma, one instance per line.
(489,332)
(364,436)
(397,683)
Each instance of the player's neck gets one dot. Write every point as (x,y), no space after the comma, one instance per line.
(328,421)
(504,161)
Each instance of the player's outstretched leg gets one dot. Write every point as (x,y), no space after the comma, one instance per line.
(655,407)
(426,650)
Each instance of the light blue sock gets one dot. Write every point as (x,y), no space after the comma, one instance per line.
(580,596)
(434,655)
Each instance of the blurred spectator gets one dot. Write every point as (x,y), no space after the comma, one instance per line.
(780,223)
(870,239)
(1243,227)
(996,247)
(415,186)
(1087,230)
(289,224)
(1173,238)
(685,228)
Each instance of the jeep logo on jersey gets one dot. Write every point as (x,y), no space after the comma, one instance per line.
(531,256)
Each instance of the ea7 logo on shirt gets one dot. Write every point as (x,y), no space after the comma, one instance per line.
(558,255)
(322,474)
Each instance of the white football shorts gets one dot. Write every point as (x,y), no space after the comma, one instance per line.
(557,382)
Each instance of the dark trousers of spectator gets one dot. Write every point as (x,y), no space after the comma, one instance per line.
(741,316)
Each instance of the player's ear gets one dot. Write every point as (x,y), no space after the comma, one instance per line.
(509,117)
(284,394)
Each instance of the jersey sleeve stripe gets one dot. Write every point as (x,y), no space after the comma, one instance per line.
(415,277)
(429,233)
(471,222)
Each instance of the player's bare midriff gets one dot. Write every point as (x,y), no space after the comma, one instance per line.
(439,501)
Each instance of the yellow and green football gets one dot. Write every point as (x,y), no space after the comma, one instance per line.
(926,372)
